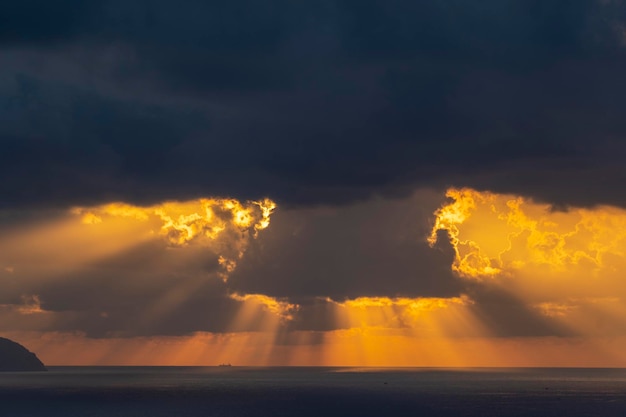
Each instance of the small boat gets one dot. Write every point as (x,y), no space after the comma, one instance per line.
(221,365)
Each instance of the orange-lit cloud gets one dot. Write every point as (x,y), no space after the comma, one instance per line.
(280,308)
(496,234)
(225,223)
(30,304)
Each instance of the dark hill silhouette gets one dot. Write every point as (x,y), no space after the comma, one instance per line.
(15,357)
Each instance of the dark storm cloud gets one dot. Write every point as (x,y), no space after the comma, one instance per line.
(35,21)
(72,144)
(321,102)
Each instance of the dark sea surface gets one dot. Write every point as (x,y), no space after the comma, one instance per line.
(242,391)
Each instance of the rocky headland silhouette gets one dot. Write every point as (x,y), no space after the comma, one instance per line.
(16,358)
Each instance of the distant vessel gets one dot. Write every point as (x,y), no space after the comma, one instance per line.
(224,364)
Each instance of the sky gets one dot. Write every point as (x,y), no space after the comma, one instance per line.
(338,183)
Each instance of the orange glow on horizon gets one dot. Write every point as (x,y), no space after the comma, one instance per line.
(336,348)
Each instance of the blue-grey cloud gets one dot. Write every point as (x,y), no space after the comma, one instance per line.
(321,102)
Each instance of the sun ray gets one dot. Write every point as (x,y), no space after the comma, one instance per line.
(564,265)
(563,268)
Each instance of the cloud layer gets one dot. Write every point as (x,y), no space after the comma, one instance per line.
(320,103)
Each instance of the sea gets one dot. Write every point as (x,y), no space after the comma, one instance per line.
(315,391)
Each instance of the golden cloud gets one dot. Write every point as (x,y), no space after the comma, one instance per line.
(280,308)
(495,234)
(224,224)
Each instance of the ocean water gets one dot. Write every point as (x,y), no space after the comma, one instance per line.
(242,391)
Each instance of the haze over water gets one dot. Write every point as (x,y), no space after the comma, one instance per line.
(244,391)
